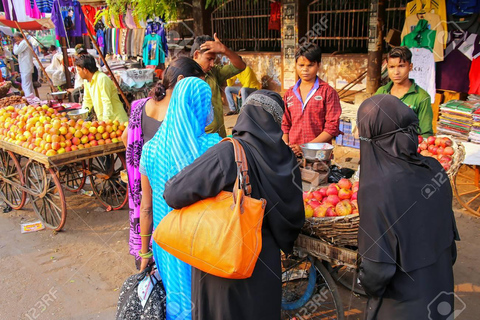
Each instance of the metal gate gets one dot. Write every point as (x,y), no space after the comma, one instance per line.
(342,25)
(243,25)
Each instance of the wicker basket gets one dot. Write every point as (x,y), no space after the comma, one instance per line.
(340,231)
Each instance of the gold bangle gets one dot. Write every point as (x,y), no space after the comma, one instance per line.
(145,235)
(147,255)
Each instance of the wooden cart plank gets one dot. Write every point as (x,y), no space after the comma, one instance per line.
(327,252)
(67,157)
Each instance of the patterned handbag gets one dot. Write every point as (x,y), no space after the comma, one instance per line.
(150,288)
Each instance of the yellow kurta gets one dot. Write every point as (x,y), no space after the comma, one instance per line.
(102,95)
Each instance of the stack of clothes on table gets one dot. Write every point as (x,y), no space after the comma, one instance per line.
(474,135)
(456,119)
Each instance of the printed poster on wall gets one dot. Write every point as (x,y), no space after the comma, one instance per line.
(289,41)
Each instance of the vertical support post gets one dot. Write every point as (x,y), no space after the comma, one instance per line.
(375,45)
(201,16)
(68,78)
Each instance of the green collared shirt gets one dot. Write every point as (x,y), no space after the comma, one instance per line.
(215,79)
(419,101)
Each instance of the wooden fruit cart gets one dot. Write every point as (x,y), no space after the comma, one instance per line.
(24,172)
(466,182)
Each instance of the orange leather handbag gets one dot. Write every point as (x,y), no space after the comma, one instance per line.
(221,235)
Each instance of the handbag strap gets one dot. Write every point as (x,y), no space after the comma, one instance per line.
(243,179)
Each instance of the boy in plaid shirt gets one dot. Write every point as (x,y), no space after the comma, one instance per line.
(312,107)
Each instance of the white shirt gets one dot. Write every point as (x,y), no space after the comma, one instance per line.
(25,56)
(423,71)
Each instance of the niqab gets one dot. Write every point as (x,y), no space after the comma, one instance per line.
(275,167)
(405,199)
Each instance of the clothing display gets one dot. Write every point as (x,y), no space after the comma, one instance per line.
(461,8)
(68,18)
(153,53)
(452,73)
(423,71)
(425,31)
(456,119)
(89,13)
(275,16)
(45,6)
(474,76)
(430,6)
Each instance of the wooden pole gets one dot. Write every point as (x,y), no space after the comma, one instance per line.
(108,68)
(36,57)
(68,78)
(375,45)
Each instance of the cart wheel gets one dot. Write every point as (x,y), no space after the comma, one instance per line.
(73,176)
(10,169)
(106,180)
(345,277)
(48,200)
(308,290)
(466,186)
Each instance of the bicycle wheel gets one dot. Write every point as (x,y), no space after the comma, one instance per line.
(345,277)
(309,291)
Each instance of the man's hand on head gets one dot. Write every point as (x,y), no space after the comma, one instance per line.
(213,46)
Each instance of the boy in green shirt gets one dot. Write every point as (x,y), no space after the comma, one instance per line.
(399,64)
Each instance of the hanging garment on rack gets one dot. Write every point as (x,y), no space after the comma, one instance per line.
(67,15)
(452,72)
(16,10)
(433,24)
(129,20)
(89,13)
(122,42)
(275,16)
(461,8)
(430,6)
(32,10)
(101,40)
(45,6)
(474,76)
(423,71)
(153,53)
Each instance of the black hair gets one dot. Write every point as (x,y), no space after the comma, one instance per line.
(184,66)
(310,51)
(19,35)
(403,53)
(198,42)
(86,61)
(53,47)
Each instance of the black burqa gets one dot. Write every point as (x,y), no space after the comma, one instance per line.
(407,226)
(274,176)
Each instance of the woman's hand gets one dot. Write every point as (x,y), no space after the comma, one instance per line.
(145,263)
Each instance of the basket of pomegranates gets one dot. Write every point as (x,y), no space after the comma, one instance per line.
(449,153)
(331,213)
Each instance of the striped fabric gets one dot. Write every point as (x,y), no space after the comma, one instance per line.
(179,141)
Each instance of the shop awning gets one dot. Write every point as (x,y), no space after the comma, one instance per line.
(38,24)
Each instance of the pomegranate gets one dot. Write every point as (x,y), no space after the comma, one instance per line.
(317,195)
(448,151)
(355,186)
(438,141)
(354,196)
(314,204)
(354,204)
(344,184)
(420,139)
(355,211)
(423,146)
(330,212)
(431,140)
(446,142)
(307,196)
(332,191)
(332,199)
(440,150)
(345,194)
(308,211)
(323,192)
(343,208)
(320,211)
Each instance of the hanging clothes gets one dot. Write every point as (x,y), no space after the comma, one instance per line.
(129,20)
(68,18)
(423,71)
(420,37)
(462,8)
(153,53)
(430,6)
(16,10)
(45,6)
(275,16)
(474,76)
(452,72)
(433,24)
(101,40)
(32,10)
(89,13)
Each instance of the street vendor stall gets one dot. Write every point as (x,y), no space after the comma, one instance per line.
(325,252)
(43,153)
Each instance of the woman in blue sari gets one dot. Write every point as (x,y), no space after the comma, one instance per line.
(179,141)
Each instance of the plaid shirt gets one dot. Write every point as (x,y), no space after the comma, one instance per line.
(321,112)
